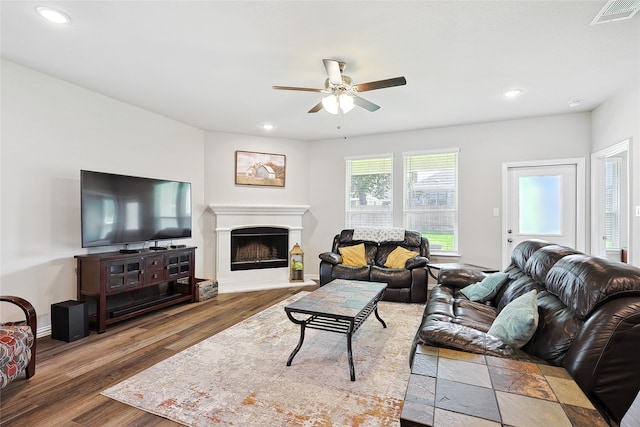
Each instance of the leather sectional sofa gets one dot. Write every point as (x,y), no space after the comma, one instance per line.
(589,319)
(404,284)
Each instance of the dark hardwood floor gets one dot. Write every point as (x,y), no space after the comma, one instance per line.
(65,391)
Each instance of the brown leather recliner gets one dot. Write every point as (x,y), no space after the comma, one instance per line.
(589,319)
(408,284)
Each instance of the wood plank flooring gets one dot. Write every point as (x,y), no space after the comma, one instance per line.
(65,391)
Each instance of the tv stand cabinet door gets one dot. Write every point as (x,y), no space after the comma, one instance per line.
(180,264)
(124,274)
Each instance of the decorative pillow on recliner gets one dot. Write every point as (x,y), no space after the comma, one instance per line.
(486,289)
(398,257)
(353,256)
(518,320)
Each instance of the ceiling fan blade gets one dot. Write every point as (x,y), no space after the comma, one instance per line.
(367,105)
(305,89)
(381,84)
(316,108)
(333,71)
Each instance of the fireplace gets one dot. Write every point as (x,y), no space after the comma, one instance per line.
(242,221)
(255,248)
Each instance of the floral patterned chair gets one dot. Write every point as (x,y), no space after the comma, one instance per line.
(18,343)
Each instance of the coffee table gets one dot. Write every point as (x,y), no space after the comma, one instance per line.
(450,387)
(340,306)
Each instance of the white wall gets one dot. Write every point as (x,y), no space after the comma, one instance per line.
(220,187)
(483,149)
(614,121)
(50,130)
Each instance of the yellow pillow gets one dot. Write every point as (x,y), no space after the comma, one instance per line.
(353,256)
(398,258)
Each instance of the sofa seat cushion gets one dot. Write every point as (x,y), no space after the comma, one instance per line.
(452,321)
(15,350)
(393,277)
(473,314)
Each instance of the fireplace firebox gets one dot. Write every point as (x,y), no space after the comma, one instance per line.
(259,247)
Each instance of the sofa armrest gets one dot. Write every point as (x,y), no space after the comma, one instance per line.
(459,277)
(416,262)
(331,257)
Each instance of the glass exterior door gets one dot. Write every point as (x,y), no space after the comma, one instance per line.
(541,203)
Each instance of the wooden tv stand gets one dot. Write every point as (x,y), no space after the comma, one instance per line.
(119,286)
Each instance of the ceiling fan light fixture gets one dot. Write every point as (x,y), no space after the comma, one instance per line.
(343,102)
(53,15)
(511,93)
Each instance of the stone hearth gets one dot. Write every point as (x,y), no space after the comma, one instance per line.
(234,217)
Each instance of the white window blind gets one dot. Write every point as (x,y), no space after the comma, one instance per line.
(612,202)
(369,192)
(431,197)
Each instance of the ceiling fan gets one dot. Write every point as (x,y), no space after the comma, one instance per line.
(343,93)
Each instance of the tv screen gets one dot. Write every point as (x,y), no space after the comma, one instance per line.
(121,209)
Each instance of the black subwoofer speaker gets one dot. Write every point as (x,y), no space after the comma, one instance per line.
(69,320)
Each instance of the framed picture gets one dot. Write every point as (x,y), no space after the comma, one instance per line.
(260,168)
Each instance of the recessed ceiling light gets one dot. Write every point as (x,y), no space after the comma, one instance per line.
(512,92)
(53,15)
(267,126)
(574,103)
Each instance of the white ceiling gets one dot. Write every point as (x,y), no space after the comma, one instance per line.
(211,64)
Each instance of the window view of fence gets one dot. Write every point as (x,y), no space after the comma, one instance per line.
(369,186)
(431,198)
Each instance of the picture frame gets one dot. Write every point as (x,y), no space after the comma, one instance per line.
(263,169)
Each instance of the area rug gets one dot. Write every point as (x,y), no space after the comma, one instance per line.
(239,376)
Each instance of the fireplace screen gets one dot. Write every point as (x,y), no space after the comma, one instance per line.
(259,247)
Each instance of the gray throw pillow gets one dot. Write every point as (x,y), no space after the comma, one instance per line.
(486,289)
(518,320)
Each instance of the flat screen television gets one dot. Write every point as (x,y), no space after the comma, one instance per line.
(121,209)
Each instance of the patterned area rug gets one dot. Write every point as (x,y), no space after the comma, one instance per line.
(239,377)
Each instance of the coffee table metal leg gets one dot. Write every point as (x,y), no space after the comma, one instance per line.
(378,317)
(295,350)
(352,370)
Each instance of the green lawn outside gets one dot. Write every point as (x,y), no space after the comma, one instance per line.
(440,241)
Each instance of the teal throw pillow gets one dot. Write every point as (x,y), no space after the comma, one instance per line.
(518,320)
(486,289)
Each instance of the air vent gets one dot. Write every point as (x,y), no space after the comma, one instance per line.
(616,10)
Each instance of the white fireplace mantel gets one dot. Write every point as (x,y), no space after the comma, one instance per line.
(230,217)
(221,210)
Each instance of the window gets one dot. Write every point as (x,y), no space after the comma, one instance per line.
(369,194)
(431,198)
(612,198)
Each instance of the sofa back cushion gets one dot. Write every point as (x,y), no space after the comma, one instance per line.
(583,282)
(531,261)
(377,252)
(523,251)
(541,261)
(557,330)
